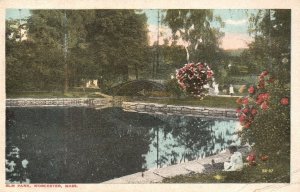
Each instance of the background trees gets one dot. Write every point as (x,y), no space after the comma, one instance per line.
(66,46)
(272,45)
(195,28)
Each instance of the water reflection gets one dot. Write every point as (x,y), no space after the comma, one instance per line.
(183,139)
(82,145)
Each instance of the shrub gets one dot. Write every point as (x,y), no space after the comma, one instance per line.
(173,88)
(265,117)
(192,78)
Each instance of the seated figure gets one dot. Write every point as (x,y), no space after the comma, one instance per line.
(236,160)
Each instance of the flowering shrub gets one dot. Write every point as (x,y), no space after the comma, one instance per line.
(251,159)
(193,77)
(265,117)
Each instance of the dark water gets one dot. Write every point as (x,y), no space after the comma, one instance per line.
(83,145)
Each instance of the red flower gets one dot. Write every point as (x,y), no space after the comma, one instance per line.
(265,96)
(251,90)
(209,74)
(245,101)
(251,157)
(242,118)
(284,101)
(253,111)
(247,125)
(259,99)
(264,106)
(238,110)
(262,97)
(246,110)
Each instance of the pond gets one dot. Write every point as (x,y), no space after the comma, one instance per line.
(85,145)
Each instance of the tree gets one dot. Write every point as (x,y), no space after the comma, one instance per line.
(66,46)
(265,113)
(271,48)
(119,41)
(194,28)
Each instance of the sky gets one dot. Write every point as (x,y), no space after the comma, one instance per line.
(236,26)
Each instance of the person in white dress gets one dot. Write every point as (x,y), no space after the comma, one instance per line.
(236,160)
(231,91)
(216,89)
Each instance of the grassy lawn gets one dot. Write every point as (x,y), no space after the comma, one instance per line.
(209,101)
(262,173)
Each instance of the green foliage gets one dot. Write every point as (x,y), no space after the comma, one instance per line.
(66,46)
(270,130)
(194,28)
(173,88)
(272,31)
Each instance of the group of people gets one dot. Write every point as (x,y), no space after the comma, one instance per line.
(216,88)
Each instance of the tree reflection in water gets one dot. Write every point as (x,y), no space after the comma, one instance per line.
(185,138)
(82,145)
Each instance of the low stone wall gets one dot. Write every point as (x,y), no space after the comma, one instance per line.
(178,110)
(57,102)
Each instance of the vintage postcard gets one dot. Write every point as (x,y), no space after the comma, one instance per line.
(144,95)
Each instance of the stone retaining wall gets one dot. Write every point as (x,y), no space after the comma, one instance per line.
(57,102)
(178,110)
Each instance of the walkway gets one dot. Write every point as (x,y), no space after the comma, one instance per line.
(157,175)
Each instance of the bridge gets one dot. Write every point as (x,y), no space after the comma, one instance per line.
(137,88)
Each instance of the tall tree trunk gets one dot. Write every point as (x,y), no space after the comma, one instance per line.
(136,72)
(66,73)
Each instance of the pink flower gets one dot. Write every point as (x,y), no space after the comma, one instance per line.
(253,111)
(264,106)
(246,110)
(242,118)
(284,101)
(245,101)
(209,74)
(251,157)
(265,96)
(200,66)
(251,90)
(262,97)
(259,99)
(247,125)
